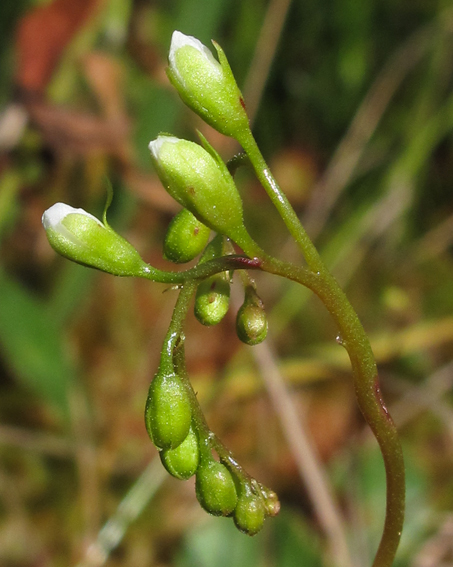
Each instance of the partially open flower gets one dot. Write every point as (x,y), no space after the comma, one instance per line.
(207,86)
(83,238)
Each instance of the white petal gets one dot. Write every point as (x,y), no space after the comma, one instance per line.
(53,216)
(155,145)
(179,40)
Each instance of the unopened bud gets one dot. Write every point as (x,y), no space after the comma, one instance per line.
(81,237)
(168,413)
(206,85)
(186,238)
(251,320)
(215,488)
(200,181)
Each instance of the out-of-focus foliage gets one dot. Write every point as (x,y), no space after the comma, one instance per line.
(356,118)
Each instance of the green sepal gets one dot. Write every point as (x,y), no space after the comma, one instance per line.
(213,152)
(108,201)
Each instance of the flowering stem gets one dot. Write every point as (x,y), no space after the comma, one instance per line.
(354,339)
(173,360)
(201,271)
(280,201)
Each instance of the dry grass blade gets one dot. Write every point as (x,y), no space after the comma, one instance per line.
(309,467)
(128,510)
(350,150)
(264,54)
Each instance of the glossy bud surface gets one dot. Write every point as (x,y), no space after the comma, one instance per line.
(182,462)
(251,324)
(206,85)
(249,514)
(251,320)
(81,237)
(212,300)
(168,413)
(186,238)
(215,489)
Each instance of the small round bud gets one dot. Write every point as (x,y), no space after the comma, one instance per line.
(251,324)
(251,320)
(168,413)
(215,488)
(212,300)
(186,238)
(249,514)
(182,462)
(271,501)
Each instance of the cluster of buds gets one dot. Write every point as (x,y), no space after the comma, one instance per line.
(222,488)
(198,179)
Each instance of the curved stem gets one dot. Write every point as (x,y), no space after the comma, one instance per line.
(354,339)
(175,331)
(280,201)
(173,359)
(367,389)
(201,271)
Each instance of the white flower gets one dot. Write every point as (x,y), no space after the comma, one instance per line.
(53,220)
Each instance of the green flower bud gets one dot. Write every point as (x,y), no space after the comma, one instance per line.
(215,488)
(168,413)
(251,320)
(199,180)
(212,299)
(207,86)
(186,238)
(81,237)
(182,462)
(249,513)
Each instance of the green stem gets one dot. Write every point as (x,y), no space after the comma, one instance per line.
(208,439)
(354,339)
(366,384)
(201,271)
(280,201)
(174,334)
(173,359)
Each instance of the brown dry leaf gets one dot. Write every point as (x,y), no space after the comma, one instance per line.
(68,131)
(331,418)
(105,76)
(149,190)
(42,35)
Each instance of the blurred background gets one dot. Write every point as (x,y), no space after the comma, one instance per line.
(352,104)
